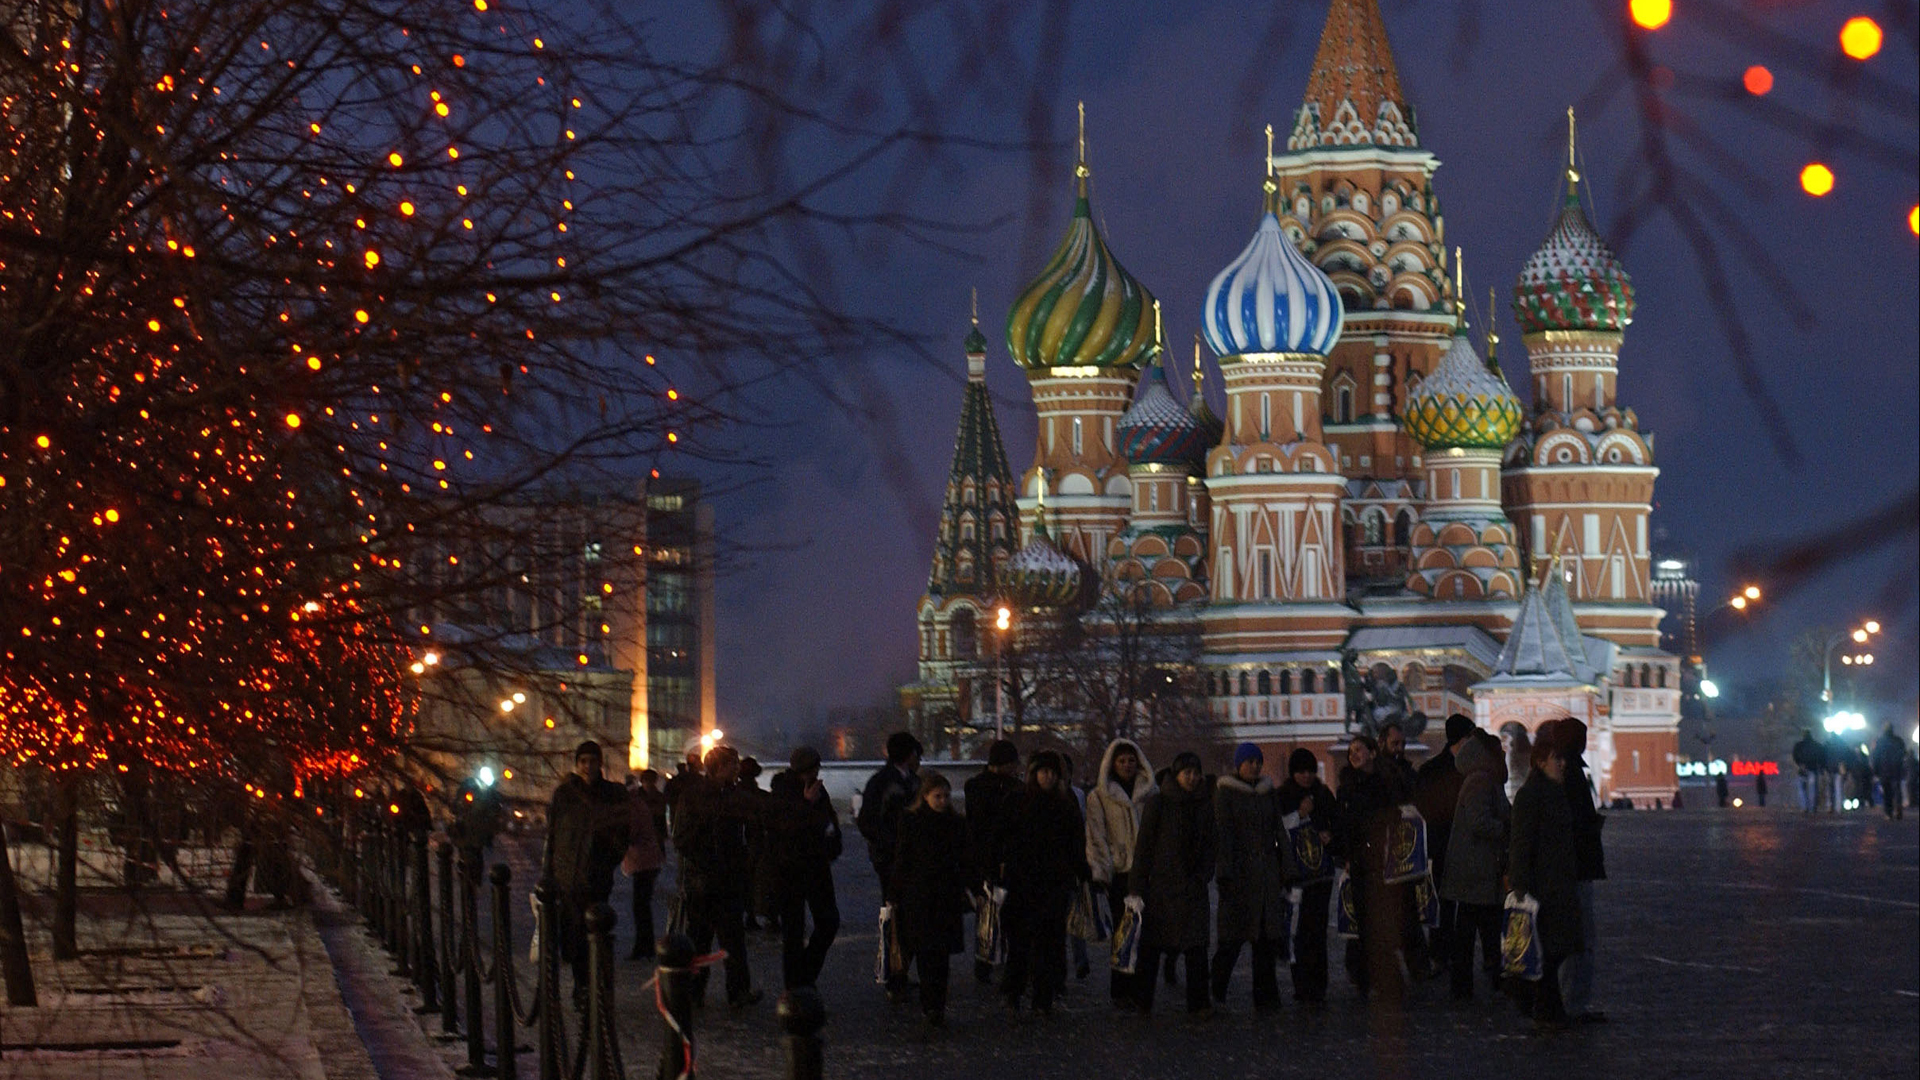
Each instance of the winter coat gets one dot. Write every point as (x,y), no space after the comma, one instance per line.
(1113,814)
(1889,759)
(586,835)
(1541,861)
(646,849)
(804,839)
(1436,790)
(1587,821)
(1367,811)
(988,795)
(1326,808)
(1477,846)
(884,799)
(1809,755)
(930,879)
(1398,775)
(1253,901)
(710,833)
(1172,864)
(1043,843)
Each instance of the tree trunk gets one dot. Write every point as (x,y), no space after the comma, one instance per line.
(13,938)
(66,890)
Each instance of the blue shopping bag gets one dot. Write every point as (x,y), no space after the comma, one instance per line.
(1311,862)
(1406,847)
(1428,899)
(1125,955)
(1085,920)
(1520,956)
(1346,917)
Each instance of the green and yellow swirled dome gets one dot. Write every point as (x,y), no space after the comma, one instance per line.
(1464,404)
(1084,310)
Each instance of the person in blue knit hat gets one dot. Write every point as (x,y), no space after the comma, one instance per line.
(1253,906)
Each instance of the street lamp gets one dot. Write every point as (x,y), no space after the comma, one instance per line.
(1002,622)
(1859,635)
(1709,688)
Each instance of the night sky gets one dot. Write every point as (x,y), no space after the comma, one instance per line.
(822,613)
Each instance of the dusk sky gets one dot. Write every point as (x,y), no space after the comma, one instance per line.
(822,613)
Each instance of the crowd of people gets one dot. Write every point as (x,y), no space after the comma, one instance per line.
(1880,775)
(1208,868)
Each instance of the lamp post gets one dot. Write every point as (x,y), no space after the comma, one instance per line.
(1859,635)
(1003,621)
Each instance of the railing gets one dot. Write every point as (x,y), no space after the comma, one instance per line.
(385,873)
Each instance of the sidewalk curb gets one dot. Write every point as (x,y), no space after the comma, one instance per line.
(365,1028)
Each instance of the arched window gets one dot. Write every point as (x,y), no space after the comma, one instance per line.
(1286,682)
(1375,524)
(966,643)
(1343,405)
(1663,678)
(1646,675)
(1244,685)
(1263,683)
(1333,681)
(1403,528)
(1306,682)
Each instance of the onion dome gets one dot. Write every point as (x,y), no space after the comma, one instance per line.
(1271,299)
(1158,430)
(1041,574)
(1574,282)
(1084,310)
(1464,404)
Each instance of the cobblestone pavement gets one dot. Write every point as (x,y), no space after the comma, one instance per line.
(1748,942)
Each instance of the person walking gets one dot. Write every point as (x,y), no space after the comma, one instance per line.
(588,819)
(1044,845)
(710,833)
(1542,863)
(930,882)
(1173,862)
(1436,789)
(1253,901)
(803,845)
(1889,763)
(989,792)
(646,854)
(1477,853)
(886,796)
(1302,793)
(1809,758)
(762,904)
(1367,813)
(1114,804)
(1577,975)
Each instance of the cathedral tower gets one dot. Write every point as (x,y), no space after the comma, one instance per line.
(1356,195)
(1081,331)
(1163,548)
(1579,480)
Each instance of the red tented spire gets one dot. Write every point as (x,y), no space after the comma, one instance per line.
(1353,96)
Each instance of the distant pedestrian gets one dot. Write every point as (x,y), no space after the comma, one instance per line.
(989,792)
(1302,793)
(1834,777)
(1889,761)
(930,883)
(1477,855)
(588,820)
(1253,906)
(762,909)
(1114,804)
(1367,813)
(888,793)
(804,841)
(1542,864)
(1809,758)
(710,832)
(1044,845)
(1720,790)
(646,854)
(1760,787)
(1577,975)
(1172,866)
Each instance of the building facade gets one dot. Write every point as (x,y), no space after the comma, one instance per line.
(1376,527)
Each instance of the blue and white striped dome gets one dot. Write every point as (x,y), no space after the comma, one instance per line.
(1271,300)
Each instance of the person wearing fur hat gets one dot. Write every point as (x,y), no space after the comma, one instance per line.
(1303,793)
(1119,794)
(1044,847)
(1253,903)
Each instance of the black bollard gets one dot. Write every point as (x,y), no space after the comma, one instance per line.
(802,1016)
(470,972)
(426,966)
(449,940)
(503,1016)
(547,1003)
(602,1045)
(674,969)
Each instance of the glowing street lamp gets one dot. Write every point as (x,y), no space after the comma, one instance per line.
(1002,622)
(1709,688)
(1859,635)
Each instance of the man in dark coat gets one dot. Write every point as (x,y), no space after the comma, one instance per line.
(1542,863)
(930,883)
(1173,860)
(1253,905)
(1044,844)
(1393,767)
(1889,762)
(1809,757)
(1476,854)
(888,792)
(587,834)
(804,844)
(988,792)
(1436,788)
(1576,976)
(1368,811)
(710,833)
(1303,794)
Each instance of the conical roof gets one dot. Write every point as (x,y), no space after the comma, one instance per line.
(1545,641)
(980,491)
(1353,96)
(1463,404)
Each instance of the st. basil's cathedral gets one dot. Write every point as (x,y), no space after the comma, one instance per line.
(1377,526)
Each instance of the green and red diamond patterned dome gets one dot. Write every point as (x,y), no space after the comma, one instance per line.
(1573,282)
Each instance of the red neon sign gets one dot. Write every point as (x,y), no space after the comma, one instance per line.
(1755,768)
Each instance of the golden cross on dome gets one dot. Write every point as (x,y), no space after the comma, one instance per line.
(976,306)
(1493,336)
(1272,189)
(1159,336)
(1199,373)
(1573,173)
(1459,286)
(1080,169)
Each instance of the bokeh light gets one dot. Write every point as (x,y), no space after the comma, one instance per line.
(1650,14)
(1861,37)
(1758,80)
(1816,179)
